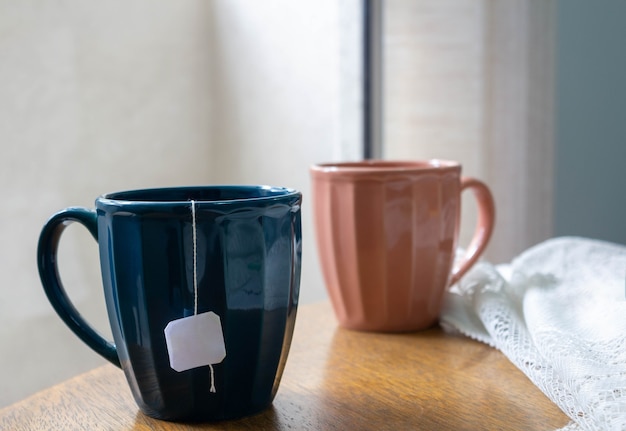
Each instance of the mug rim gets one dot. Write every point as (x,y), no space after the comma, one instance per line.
(128,197)
(375,166)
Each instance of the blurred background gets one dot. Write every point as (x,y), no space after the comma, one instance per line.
(97,97)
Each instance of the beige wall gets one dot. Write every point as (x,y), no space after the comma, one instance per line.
(280,101)
(94,97)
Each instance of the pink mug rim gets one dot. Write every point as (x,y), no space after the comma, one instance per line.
(384,166)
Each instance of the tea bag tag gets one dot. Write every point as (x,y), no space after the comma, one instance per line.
(195,341)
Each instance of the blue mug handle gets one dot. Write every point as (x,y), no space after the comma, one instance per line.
(49,274)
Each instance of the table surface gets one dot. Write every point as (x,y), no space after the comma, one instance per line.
(334,379)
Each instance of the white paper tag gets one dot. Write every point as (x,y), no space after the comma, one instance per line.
(195,341)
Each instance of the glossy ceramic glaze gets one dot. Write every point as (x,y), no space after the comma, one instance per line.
(386,236)
(248,267)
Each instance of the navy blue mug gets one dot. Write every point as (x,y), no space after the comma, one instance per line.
(230,253)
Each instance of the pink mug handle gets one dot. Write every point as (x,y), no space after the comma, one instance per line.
(484,226)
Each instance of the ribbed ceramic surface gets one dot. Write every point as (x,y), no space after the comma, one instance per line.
(386,242)
(247,241)
(248,274)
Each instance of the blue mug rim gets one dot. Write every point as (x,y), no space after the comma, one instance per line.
(175,198)
(236,194)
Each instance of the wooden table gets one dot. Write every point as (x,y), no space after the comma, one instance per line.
(335,379)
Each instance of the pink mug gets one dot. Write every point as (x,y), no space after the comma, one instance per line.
(387,233)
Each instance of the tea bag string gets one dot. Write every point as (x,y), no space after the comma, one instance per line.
(195,276)
(195,257)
